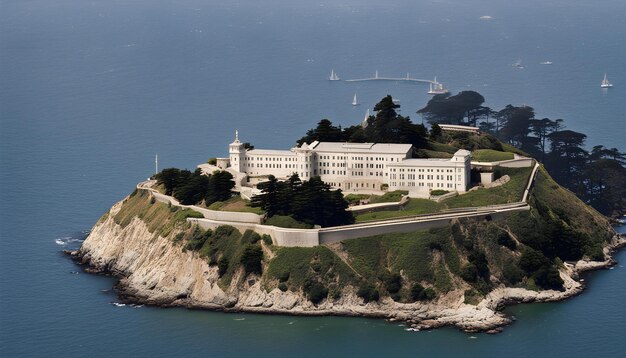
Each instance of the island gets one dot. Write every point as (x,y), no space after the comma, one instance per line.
(383,219)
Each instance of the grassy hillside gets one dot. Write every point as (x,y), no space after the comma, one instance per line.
(469,258)
(490,155)
(508,193)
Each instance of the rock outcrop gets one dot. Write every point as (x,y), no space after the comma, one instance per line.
(156,270)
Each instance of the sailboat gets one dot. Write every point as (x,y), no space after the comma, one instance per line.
(605,83)
(333,76)
(354,101)
(436,88)
(364,121)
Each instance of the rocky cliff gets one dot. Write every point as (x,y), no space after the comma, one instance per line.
(150,247)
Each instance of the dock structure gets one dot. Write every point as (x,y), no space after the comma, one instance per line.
(376,77)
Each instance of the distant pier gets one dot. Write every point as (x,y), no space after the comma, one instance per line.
(407,78)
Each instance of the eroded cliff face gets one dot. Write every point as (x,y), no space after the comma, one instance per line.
(154,269)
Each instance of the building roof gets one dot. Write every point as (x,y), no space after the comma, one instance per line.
(425,162)
(270,152)
(379,148)
(462,153)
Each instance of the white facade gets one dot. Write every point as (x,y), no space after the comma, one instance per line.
(419,176)
(356,166)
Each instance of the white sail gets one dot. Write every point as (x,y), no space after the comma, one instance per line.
(367,116)
(605,82)
(354,101)
(333,76)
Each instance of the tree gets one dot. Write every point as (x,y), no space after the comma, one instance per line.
(324,132)
(435,132)
(542,128)
(445,108)
(605,185)
(193,188)
(567,158)
(488,127)
(389,127)
(169,178)
(220,185)
(515,122)
(267,200)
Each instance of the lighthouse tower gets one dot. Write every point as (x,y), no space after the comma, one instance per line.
(236,153)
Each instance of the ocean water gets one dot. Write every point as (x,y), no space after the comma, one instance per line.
(91,90)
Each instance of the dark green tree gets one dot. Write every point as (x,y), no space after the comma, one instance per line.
(220,185)
(169,178)
(193,188)
(268,199)
(435,132)
(567,158)
(515,122)
(464,107)
(324,132)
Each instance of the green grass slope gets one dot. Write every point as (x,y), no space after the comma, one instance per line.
(468,258)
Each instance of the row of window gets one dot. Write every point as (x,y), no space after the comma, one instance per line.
(269,159)
(411,170)
(423,176)
(421,184)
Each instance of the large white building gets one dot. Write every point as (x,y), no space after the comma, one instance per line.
(353,167)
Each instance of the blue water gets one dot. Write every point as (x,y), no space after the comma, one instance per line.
(90,91)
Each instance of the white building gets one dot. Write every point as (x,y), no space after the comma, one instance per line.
(353,167)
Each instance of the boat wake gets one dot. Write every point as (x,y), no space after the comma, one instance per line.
(67,240)
(118,304)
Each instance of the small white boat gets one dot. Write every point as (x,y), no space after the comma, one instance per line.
(518,64)
(333,76)
(605,83)
(354,101)
(436,88)
(545,63)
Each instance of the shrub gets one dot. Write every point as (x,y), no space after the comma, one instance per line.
(222,265)
(315,291)
(335,293)
(433,245)
(438,192)
(469,272)
(505,240)
(267,239)
(512,274)
(549,278)
(368,293)
(212,161)
(282,286)
(393,282)
(251,259)
(283,277)
(480,261)
(197,239)
(532,260)
(472,297)
(250,237)
(595,252)
(419,293)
